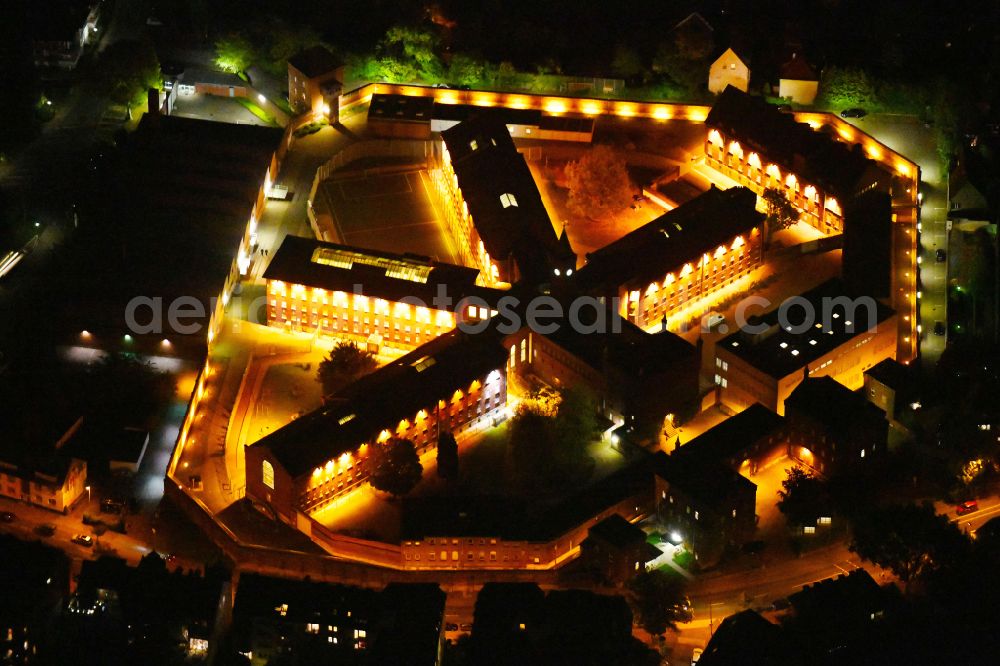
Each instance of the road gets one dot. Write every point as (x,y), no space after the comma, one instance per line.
(908,136)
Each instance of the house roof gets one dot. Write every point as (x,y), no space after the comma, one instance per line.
(892,373)
(733,436)
(401,108)
(797,69)
(303,601)
(395,277)
(780,352)
(856,591)
(748,639)
(815,156)
(738,53)
(617,531)
(315,61)
(215,77)
(488,166)
(711,482)
(827,401)
(664,245)
(360,411)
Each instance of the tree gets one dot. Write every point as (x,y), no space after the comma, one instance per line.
(598,183)
(126,71)
(626,63)
(468,70)
(658,601)
(394,467)
(447,456)
(417,47)
(803,497)
(910,540)
(575,425)
(346,363)
(843,88)
(234,54)
(121,389)
(531,447)
(781,214)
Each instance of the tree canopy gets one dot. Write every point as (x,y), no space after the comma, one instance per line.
(346,363)
(780,212)
(910,540)
(659,601)
(234,54)
(803,497)
(394,466)
(598,183)
(126,70)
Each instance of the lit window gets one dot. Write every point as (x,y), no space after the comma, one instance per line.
(267,474)
(474,145)
(312,628)
(508,200)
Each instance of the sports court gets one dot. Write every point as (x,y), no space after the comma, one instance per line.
(392,212)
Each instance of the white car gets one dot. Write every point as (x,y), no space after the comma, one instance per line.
(696,655)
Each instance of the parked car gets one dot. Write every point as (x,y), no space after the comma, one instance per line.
(46,530)
(939,255)
(466,626)
(853,113)
(84,540)
(696,655)
(967,507)
(7,517)
(450,626)
(939,328)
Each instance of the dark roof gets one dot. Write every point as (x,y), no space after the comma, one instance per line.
(892,373)
(56,20)
(126,445)
(748,639)
(734,435)
(487,165)
(617,531)
(502,114)
(780,352)
(832,404)
(814,156)
(400,108)
(193,75)
(710,482)
(854,593)
(315,61)
(370,270)
(668,242)
(567,124)
(380,400)
(797,69)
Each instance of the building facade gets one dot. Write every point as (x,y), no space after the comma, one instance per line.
(767,364)
(376,299)
(455,383)
(728,70)
(315,81)
(674,267)
(56,486)
(760,147)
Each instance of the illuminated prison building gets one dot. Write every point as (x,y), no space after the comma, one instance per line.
(676,265)
(841,338)
(375,298)
(761,147)
(493,209)
(455,383)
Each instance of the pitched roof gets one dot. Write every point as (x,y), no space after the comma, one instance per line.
(832,404)
(361,410)
(892,373)
(617,531)
(375,274)
(734,435)
(668,242)
(748,639)
(488,167)
(815,156)
(711,482)
(797,69)
(315,61)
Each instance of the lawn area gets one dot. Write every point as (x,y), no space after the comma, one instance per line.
(257,111)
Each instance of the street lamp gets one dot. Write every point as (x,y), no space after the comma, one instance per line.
(87,488)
